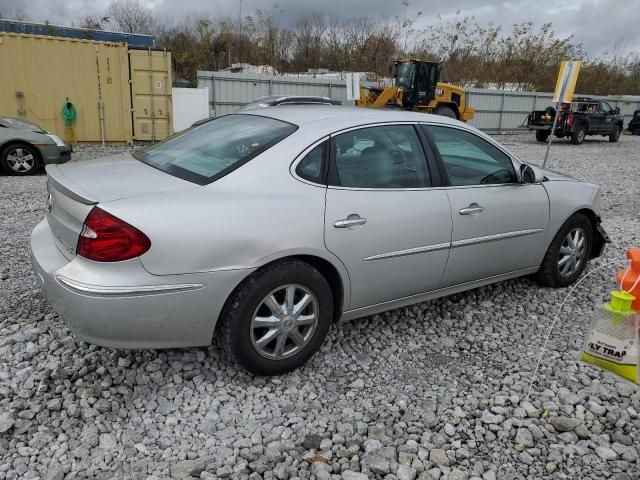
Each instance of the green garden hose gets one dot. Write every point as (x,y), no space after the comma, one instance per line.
(69,113)
(69,117)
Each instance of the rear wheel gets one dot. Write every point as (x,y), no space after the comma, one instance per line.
(615,135)
(445,111)
(19,159)
(278,318)
(577,137)
(542,135)
(568,253)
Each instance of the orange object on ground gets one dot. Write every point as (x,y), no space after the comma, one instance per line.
(631,277)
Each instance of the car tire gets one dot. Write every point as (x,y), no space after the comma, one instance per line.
(263,344)
(19,159)
(578,136)
(615,135)
(445,111)
(561,250)
(542,135)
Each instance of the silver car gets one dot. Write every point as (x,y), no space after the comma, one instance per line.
(25,147)
(267,226)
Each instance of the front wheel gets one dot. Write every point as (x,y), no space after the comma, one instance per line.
(568,253)
(445,111)
(278,318)
(19,159)
(615,135)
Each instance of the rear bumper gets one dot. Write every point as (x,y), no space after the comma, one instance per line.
(121,305)
(53,154)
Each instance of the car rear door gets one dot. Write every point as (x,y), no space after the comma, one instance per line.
(385,218)
(498,224)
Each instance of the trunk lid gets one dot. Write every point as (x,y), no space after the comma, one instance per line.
(75,188)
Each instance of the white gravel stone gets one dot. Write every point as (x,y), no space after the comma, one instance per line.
(606,453)
(6,422)
(351,475)
(439,457)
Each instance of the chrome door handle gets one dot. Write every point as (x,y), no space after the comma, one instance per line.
(471,209)
(352,220)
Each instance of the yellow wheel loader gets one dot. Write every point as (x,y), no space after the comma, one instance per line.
(417,88)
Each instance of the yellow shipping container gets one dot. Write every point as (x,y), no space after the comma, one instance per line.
(129,90)
(151,94)
(39,73)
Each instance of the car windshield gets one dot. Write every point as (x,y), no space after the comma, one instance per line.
(212,149)
(405,74)
(21,124)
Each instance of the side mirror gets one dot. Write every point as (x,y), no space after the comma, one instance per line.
(616,110)
(530,174)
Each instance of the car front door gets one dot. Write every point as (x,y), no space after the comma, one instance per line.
(383,218)
(498,224)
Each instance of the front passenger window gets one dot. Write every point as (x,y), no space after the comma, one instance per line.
(471,160)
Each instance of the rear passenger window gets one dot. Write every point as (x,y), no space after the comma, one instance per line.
(311,167)
(471,160)
(380,157)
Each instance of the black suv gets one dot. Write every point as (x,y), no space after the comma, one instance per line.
(576,120)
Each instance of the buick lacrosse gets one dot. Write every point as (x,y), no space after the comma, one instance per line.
(266,226)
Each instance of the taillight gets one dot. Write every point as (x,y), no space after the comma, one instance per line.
(105,238)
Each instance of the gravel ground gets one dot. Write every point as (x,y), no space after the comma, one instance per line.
(436,390)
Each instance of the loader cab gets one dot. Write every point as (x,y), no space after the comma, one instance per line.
(418,81)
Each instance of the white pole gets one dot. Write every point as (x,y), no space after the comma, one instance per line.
(101,111)
(553,129)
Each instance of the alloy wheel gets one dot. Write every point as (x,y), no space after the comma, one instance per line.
(284,322)
(572,252)
(20,160)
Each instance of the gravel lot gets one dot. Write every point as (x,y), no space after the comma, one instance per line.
(432,391)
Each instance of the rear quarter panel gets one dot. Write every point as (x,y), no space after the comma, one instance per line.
(254,215)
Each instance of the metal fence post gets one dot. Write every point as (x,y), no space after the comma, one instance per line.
(270,87)
(501,112)
(213,95)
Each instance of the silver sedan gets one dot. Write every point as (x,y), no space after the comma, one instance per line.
(267,226)
(25,147)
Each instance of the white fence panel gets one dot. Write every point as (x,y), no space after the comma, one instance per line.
(189,105)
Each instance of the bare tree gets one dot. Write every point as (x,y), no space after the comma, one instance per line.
(309,38)
(95,22)
(525,56)
(131,16)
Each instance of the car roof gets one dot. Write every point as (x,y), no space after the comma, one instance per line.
(344,117)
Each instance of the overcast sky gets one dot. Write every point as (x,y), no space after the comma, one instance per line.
(598,24)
